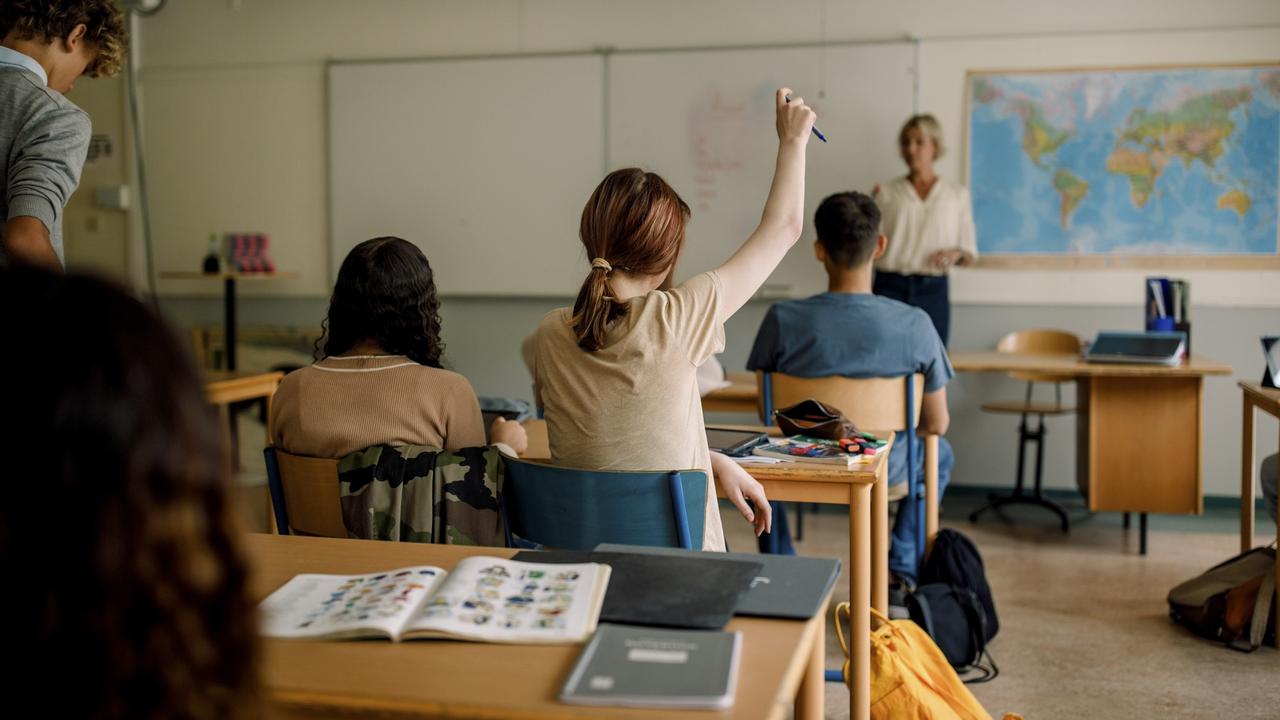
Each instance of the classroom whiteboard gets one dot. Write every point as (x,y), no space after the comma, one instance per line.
(704,120)
(487,163)
(483,163)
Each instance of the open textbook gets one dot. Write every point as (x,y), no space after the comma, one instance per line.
(484,598)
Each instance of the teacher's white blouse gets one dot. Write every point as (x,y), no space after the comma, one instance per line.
(916,228)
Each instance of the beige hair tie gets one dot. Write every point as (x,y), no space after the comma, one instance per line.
(602,264)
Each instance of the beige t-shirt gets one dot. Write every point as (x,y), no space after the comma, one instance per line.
(634,403)
(343,404)
(917,228)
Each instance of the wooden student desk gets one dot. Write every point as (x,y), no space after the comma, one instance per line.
(221,388)
(1268,401)
(1139,428)
(864,490)
(781,661)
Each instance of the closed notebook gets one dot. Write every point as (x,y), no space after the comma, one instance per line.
(651,667)
(662,590)
(787,586)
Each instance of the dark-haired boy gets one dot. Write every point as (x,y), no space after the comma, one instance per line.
(850,332)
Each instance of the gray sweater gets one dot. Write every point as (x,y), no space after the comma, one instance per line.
(44,139)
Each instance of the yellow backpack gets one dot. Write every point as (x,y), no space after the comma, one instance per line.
(910,677)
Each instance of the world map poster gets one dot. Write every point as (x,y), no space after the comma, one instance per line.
(1126,162)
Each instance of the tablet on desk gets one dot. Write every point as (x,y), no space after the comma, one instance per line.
(734,443)
(1138,348)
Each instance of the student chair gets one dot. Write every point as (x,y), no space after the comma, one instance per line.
(1033,342)
(872,404)
(572,509)
(304,494)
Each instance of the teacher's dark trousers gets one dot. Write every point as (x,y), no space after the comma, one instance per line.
(927,292)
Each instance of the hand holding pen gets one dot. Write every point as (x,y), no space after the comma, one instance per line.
(787,98)
(795,119)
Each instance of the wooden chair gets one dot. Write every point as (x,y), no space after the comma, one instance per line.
(872,403)
(572,509)
(1033,342)
(304,494)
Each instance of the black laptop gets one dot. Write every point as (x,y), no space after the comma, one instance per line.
(1138,348)
(787,586)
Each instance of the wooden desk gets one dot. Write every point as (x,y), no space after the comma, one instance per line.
(1139,428)
(740,397)
(781,662)
(868,535)
(1268,401)
(228,298)
(221,388)
(865,490)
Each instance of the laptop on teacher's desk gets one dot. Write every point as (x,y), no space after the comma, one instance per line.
(1138,348)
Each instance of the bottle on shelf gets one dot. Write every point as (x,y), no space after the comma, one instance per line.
(213,258)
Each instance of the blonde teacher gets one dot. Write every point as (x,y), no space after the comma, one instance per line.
(929,224)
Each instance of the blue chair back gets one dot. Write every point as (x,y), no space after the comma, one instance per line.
(572,509)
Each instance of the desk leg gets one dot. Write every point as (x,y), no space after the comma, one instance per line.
(809,700)
(930,492)
(860,602)
(880,541)
(229,321)
(1246,476)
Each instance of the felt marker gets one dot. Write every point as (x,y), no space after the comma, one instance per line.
(815,129)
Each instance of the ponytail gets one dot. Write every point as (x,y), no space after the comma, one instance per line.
(635,218)
(595,308)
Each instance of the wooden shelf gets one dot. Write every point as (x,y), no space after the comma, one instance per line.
(183,275)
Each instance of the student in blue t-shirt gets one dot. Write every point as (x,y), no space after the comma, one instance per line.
(848,331)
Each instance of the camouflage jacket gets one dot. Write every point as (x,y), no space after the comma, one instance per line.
(415,493)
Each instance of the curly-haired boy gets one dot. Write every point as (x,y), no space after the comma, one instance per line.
(44,138)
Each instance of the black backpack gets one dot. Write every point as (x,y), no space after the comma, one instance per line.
(954,604)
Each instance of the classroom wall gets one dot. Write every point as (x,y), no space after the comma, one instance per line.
(259,160)
(96,237)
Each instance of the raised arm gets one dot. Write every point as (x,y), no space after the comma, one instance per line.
(783,216)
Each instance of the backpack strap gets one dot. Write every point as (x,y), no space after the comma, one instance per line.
(978,633)
(1262,609)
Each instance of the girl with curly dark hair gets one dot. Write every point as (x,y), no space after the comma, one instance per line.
(126,584)
(378,376)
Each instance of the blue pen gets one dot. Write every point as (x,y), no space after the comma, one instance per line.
(815,129)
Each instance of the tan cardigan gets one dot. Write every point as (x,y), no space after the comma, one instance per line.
(343,404)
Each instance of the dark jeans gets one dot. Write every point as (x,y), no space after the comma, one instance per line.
(927,292)
(778,540)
